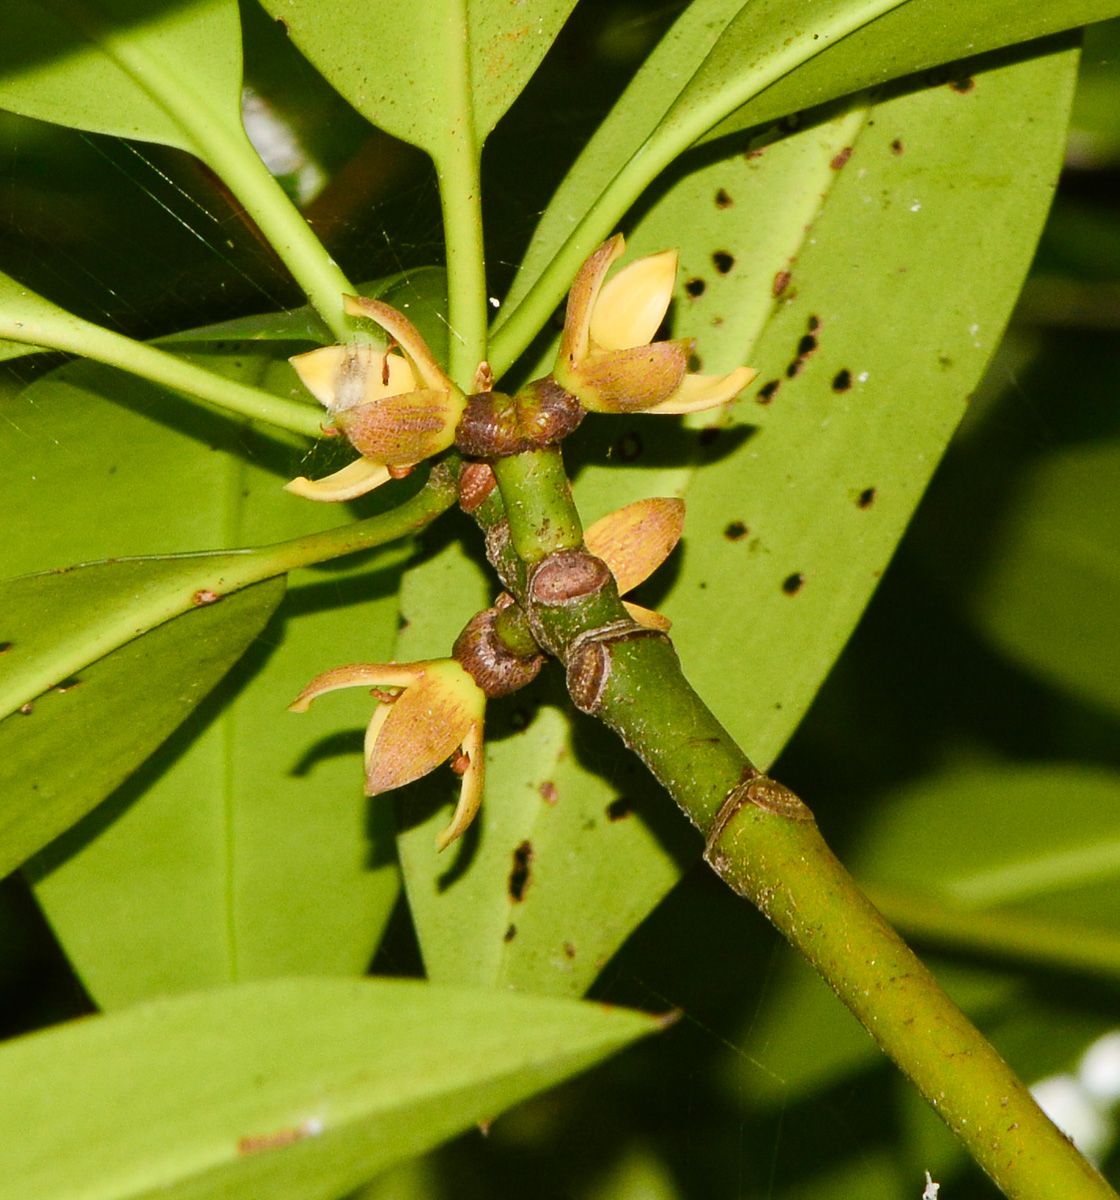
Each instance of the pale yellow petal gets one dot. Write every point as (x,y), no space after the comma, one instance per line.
(470,794)
(340,377)
(354,675)
(647,617)
(423,727)
(355,479)
(636,540)
(575,339)
(632,305)
(406,335)
(699,392)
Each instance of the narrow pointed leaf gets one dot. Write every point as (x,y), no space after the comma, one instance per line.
(780,59)
(795,500)
(124,67)
(299,1089)
(1049,595)
(65,751)
(247,856)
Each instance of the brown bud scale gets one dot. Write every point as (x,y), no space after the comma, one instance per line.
(590,657)
(489,662)
(476,482)
(567,575)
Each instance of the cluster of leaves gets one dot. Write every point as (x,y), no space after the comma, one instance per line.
(857,199)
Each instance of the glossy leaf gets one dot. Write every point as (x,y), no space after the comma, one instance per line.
(295,1088)
(780,59)
(65,751)
(793,506)
(1049,591)
(926,206)
(247,855)
(146,69)
(1041,838)
(431,77)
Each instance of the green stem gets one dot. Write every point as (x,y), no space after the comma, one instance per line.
(1010,936)
(434,498)
(218,137)
(60,330)
(240,168)
(764,843)
(683,125)
(538,503)
(461,201)
(189,577)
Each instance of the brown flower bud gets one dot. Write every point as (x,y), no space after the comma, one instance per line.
(494,667)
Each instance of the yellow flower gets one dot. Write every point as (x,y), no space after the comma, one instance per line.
(607,358)
(428,712)
(396,408)
(634,542)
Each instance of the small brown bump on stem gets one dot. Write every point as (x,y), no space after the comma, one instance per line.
(567,575)
(476,482)
(841,158)
(588,660)
(488,427)
(774,797)
(205,596)
(496,669)
(781,282)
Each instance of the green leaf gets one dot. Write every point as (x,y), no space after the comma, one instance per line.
(726,66)
(145,69)
(1049,591)
(297,1088)
(167,73)
(924,206)
(820,484)
(64,751)
(1041,838)
(427,77)
(1018,861)
(246,848)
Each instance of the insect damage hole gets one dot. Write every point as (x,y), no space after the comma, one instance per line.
(723,261)
(768,391)
(723,200)
(842,381)
(866,498)
(521,875)
(619,810)
(695,287)
(736,531)
(792,584)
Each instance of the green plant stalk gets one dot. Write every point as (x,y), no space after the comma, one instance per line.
(70,333)
(225,147)
(207,577)
(538,503)
(460,193)
(1011,936)
(683,125)
(764,843)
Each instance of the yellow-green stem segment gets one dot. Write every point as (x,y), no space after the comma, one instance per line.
(764,843)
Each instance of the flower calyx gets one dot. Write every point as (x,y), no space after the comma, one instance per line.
(497,650)
(428,712)
(495,425)
(396,406)
(607,356)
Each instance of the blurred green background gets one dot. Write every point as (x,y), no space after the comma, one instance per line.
(966,745)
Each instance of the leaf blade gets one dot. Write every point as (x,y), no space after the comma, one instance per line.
(286,1089)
